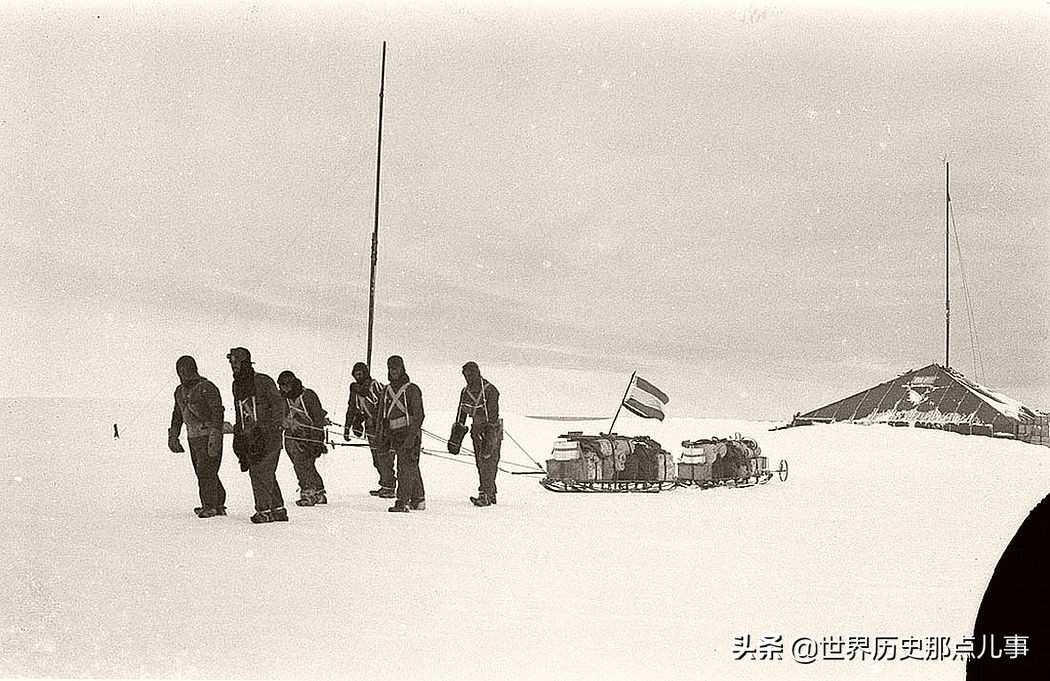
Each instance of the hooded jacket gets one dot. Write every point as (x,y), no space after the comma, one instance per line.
(402,405)
(362,408)
(305,417)
(198,403)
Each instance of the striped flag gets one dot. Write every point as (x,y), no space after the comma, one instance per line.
(645,399)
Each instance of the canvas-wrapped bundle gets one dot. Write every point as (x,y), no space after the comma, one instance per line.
(621,450)
(665,468)
(733,464)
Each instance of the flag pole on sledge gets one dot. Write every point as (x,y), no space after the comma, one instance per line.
(622,400)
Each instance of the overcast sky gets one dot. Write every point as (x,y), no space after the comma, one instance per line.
(743,202)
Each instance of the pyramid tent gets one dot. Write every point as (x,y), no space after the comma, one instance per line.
(936,397)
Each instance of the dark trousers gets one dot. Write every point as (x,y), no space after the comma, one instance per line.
(304,462)
(212,493)
(263,473)
(406,448)
(487,441)
(383,460)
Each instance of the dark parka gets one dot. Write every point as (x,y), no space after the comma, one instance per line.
(260,413)
(300,399)
(362,409)
(198,403)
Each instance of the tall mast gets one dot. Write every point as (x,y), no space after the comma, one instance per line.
(947,300)
(375,228)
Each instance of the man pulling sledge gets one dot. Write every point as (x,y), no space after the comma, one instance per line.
(479,400)
(304,423)
(257,434)
(362,418)
(401,433)
(199,406)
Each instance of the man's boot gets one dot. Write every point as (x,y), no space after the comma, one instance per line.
(320,498)
(418,505)
(481,500)
(280,515)
(398,507)
(262,517)
(306,498)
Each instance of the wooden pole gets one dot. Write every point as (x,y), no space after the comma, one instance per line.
(629,384)
(375,228)
(947,290)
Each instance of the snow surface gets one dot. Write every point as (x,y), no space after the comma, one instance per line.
(879,531)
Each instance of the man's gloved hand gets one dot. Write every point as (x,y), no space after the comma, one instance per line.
(215,444)
(357,425)
(455,439)
(173,442)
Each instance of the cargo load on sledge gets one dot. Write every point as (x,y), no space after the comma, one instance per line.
(735,462)
(608,463)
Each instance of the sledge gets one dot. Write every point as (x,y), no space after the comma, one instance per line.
(608,463)
(728,462)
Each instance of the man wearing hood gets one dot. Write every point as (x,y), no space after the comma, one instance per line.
(401,432)
(362,418)
(304,423)
(479,400)
(199,406)
(257,434)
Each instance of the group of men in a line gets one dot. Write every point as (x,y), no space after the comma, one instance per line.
(271,416)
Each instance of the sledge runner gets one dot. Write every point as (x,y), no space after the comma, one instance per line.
(479,400)
(257,434)
(362,418)
(304,423)
(198,404)
(401,432)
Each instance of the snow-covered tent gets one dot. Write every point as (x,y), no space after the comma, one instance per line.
(936,397)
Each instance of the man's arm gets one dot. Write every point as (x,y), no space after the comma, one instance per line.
(211,396)
(461,413)
(275,404)
(317,415)
(176,418)
(492,400)
(415,406)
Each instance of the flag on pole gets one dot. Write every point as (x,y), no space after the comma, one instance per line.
(645,399)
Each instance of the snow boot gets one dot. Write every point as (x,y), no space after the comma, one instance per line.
(384,493)
(209,513)
(398,507)
(306,498)
(262,517)
(418,505)
(220,510)
(481,500)
(280,515)
(320,498)
(492,498)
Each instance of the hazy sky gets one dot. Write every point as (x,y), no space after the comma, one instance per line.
(744,202)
